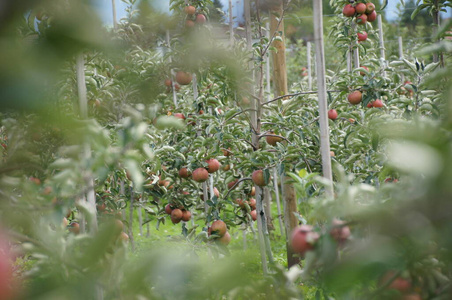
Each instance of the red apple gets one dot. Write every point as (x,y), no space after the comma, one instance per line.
(74,227)
(370,8)
(213,165)
(303,239)
(168,209)
(190,10)
(179,116)
(399,283)
(361,20)
(332,114)
(176,215)
(240,203)
(186,215)
(189,24)
(231,183)
(184,173)
(349,10)
(355,97)
(372,16)
(361,72)
(370,104)
(200,175)
(201,19)
(168,82)
(360,8)
(253,215)
(362,36)
(377,103)
(252,203)
(183,78)
(339,232)
(225,239)
(219,227)
(258,178)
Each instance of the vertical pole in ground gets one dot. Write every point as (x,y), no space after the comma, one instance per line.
(382,43)
(278,204)
(90,195)
(131,208)
(280,82)
(267,64)
(231,23)
(309,67)
(113,6)
(400,41)
(173,84)
(355,48)
(322,97)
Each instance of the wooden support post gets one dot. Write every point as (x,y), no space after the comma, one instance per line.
(309,67)
(400,41)
(322,97)
(267,65)
(278,56)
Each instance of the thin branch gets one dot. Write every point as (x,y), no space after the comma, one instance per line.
(296,94)
(240,112)
(275,135)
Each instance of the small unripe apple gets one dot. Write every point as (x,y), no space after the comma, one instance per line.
(258,178)
(370,105)
(361,20)
(349,10)
(362,36)
(124,237)
(360,8)
(253,191)
(227,152)
(213,165)
(190,10)
(168,82)
(201,19)
(232,183)
(332,154)
(372,16)
(370,7)
(200,175)
(355,97)
(240,203)
(332,114)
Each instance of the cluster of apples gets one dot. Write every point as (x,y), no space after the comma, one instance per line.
(364,12)
(356,97)
(182,78)
(193,18)
(251,203)
(201,174)
(304,238)
(177,214)
(220,229)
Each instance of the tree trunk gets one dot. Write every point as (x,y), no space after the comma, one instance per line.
(280,80)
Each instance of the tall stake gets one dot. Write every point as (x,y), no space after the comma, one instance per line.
(267,65)
(113,5)
(231,28)
(309,67)
(400,41)
(382,43)
(280,80)
(322,97)
(173,84)
(90,195)
(255,125)
(278,204)
(131,238)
